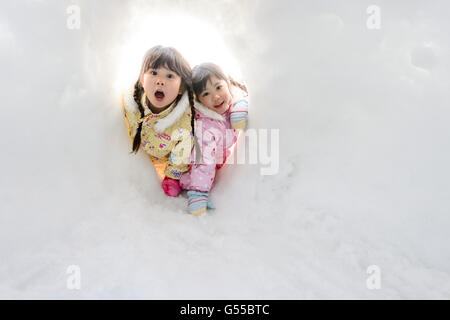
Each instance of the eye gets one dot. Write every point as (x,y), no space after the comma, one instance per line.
(218,87)
(170,76)
(153,73)
(205,94)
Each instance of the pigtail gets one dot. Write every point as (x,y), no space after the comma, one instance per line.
(137,95)
(191,103)
(237,84)
(198,151)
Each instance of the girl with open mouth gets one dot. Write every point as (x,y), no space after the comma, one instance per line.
(158,113)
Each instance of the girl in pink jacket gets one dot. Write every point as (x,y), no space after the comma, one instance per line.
(221,110)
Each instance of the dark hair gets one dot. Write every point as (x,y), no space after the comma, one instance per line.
(163,57)
(202,73)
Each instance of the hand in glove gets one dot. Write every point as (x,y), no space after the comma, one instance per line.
(239,114)
(171,187)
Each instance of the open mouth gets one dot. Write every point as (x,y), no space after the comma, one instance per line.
(159,95)
(219,106)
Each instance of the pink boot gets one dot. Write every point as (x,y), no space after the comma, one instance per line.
(171,187)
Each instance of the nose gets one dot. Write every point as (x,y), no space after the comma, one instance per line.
(216,97)
(159,82)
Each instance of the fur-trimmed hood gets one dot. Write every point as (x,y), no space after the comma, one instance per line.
(162,124)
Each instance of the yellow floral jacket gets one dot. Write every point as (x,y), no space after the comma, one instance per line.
(166,137)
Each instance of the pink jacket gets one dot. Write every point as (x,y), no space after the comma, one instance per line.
(215,138)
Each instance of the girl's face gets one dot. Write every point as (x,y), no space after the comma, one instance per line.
(161,86)
(216,95)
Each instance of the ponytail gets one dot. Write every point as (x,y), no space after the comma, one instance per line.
(191,103)
(237,84)
(137,95)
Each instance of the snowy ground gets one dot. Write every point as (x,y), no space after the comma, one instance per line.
(364,152)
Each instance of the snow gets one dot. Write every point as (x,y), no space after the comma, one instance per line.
(363,180)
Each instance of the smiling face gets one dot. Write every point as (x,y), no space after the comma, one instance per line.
(161,86)
(216,95)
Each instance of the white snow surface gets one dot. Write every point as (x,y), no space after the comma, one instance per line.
(364,152)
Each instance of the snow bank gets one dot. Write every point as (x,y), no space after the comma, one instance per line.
(363,174)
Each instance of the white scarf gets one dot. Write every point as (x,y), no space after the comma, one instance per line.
(162,124)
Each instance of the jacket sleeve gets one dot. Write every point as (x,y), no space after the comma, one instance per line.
(131,115)
(178,161)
